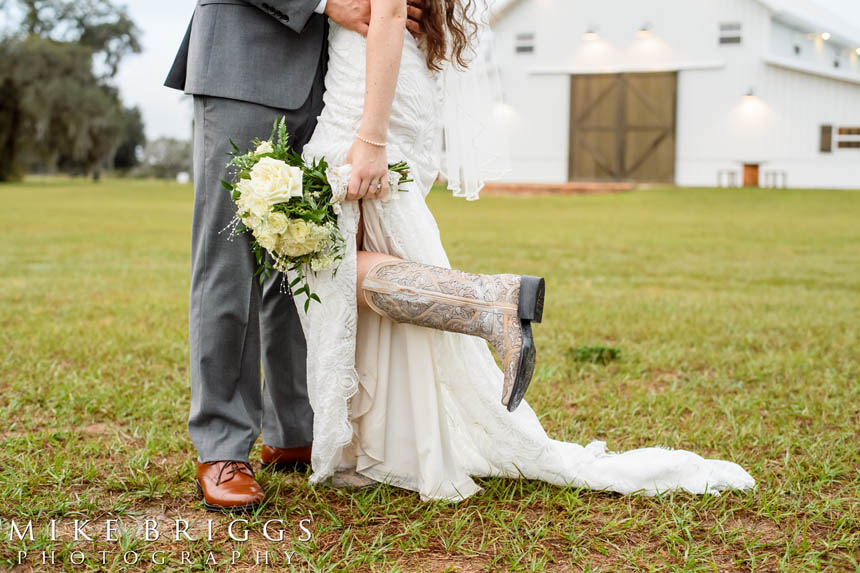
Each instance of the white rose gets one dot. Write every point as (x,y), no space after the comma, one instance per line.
(256,224)
(264,147)
(275,181)
(278,223)
(250,201)
(302,238)
(322,263)
(267,239)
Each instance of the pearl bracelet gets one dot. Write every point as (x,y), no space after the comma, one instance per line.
(371,142)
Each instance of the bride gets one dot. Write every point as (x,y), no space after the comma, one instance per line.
(403,385)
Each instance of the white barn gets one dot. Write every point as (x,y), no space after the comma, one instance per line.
(691,92)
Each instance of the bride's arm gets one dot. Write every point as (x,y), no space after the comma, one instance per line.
(384,48)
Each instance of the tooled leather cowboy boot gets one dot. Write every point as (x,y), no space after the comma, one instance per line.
(351,479)
(498,308)
(228,486)
(286,459)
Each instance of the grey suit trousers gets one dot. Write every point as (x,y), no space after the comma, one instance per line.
(236,326)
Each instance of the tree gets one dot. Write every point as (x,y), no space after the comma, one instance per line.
(99,25)
(58,106)
(10,118)
(166,157)
(134,138)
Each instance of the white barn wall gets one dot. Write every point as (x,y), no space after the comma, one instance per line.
(717,127)
(810,102)
(537,106)
(779,128)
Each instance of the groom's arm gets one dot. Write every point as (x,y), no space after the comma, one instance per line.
(351,14)
(294,14)
(355,14)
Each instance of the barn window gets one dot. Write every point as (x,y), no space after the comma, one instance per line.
(730,33)
(849,137)
(826,144)
(525,43)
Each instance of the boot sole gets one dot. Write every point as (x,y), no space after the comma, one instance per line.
(250,508)
(530,309)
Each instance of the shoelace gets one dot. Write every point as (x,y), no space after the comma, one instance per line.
(235,467)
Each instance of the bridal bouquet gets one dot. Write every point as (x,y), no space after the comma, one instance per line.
(290,207)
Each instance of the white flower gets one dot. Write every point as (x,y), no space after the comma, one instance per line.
(322,263)
(256,224)
(278,223)
(250,201)
(302,238)
(393,186)
(338,178)
(267,239)
(264,147)
(275,181)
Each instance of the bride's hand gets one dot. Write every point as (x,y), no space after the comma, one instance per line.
(369,178)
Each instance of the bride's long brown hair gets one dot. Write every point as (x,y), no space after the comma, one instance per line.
(449,29)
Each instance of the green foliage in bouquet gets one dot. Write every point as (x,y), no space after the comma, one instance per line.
(290,209)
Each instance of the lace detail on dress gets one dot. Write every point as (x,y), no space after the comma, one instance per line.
(330,327)
(330,330)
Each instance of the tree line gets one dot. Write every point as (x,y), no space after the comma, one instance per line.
(59,109)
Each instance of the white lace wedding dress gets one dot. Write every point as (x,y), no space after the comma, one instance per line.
(419,408)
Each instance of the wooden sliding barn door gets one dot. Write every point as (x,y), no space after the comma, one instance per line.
(622,127)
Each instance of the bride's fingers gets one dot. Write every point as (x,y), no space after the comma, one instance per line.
(365,186)
(380,188)
(373,189)
(352,189)
(384,191)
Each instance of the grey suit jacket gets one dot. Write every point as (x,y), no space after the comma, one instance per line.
(259,51)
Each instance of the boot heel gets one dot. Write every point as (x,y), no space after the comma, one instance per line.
(532,290)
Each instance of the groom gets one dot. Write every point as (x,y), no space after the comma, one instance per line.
(248,63)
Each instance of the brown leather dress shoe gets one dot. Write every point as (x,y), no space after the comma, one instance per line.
(286,459)
(228,486)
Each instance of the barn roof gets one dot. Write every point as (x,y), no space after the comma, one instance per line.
(803,13)
(815,18)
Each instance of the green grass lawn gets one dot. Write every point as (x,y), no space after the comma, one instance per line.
(736,314)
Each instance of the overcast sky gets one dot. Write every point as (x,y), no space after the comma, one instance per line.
(163,23)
